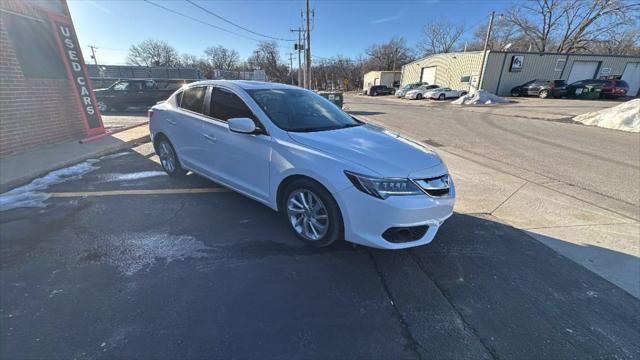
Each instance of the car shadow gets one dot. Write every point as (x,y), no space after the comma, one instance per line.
(365,113)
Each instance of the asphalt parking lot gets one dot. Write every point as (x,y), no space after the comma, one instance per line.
(126,262)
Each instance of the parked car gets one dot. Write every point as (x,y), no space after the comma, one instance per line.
(125,93)
(606,88)
(418,93)
(444,93)
(330,175)
(381,90)
(541,88)
(403,91)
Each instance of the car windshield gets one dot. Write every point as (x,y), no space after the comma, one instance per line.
(301,110)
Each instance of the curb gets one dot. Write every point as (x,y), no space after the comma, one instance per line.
(11,184)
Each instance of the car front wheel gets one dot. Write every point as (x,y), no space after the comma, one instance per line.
(515,93)
(441,97)
(103,107)
(543,94)
(419,96)
(312,213)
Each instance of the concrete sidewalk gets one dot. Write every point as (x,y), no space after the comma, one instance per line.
(22,168)
(605,242)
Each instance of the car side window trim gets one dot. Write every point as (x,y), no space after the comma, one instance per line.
(256,119)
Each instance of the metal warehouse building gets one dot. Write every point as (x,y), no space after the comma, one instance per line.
(504,70)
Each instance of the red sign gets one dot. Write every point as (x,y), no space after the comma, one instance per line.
(77,73)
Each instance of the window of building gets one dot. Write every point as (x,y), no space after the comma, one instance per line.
(193,99)
(226,105)
(560,64)
(465,79)
(35,46)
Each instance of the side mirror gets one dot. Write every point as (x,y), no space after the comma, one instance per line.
(242,125)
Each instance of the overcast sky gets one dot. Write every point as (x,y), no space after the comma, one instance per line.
(341,27)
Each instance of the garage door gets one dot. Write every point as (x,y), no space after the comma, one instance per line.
(428,75)
(631,75)
(582,70)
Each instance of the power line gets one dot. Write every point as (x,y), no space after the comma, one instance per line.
(234,24)
(200,21)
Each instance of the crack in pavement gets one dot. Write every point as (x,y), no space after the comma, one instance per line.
(412,344)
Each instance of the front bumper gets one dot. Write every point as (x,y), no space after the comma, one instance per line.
(366,218)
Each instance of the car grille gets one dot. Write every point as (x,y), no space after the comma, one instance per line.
(437,186)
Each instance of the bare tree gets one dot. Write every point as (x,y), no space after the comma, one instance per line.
(571,25)
(153,52)
(503,35)
(267,57)
(389,56)
(222,58)
(440,36)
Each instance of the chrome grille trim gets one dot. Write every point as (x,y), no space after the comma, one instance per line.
(438,186)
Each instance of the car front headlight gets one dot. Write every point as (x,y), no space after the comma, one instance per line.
(382,188)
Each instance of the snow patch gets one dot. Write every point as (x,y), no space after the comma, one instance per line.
(114,156)
(132,176)
(30,195)
(131,252)
(625,117)
(480,97)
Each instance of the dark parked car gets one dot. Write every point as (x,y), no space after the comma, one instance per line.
(125,93)
(381,90)
(541,88)
(606,88)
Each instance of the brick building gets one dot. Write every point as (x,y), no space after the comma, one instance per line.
(45,96)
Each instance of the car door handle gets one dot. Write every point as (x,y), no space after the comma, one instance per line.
(171,122)
(210,137)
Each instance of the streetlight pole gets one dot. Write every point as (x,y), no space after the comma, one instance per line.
(484,52)
(308,50)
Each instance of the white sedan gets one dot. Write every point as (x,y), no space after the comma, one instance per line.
(418,93)
(444,93)
(330,175)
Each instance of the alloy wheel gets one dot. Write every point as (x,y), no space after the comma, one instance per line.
(307,214)
(102,106)
(167,157)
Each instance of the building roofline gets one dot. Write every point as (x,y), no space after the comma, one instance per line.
(449,53)
(557,53)
(383,71)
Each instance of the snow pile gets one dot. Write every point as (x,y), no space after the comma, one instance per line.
(480,97)
(30,196)
(132,176)
(625,116)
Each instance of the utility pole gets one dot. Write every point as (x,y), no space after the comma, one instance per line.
(93,54)
(308,50)
(299,48)
(484,53)
(291,66)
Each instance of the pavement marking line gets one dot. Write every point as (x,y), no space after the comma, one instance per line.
(137,192)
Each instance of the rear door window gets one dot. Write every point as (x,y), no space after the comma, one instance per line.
(193,99)
(226,105)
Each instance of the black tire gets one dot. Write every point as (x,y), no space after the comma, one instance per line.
(335,225)
(419,97)
(515,93)
(543,94)
(463,93)
(441,97)
(375,93)
(168,155)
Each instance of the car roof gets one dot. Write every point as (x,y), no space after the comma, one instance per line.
(244,84)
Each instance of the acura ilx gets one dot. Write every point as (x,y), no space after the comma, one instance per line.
(330,175)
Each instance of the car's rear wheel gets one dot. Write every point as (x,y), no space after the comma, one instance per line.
(441,97)
(419,96)
(169,158)
(312,213)
(543,94)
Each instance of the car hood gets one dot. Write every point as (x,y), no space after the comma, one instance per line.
(383,152)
